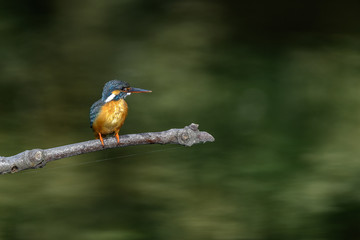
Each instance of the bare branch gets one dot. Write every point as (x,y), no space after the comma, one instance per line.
(39,157)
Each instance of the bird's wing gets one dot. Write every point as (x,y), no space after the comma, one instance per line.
(94,111)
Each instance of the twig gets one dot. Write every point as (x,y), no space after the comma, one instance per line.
(37,158)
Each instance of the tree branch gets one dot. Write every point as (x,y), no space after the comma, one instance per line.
(37,158)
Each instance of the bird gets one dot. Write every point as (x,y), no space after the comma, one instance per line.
(107,115)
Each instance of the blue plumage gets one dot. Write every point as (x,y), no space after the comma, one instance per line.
(94,110)
(112,86)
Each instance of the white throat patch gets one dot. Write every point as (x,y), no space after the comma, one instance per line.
(109,98)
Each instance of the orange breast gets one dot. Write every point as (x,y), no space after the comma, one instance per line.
(111,117)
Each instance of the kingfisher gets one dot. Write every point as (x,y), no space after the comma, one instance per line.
(107,115)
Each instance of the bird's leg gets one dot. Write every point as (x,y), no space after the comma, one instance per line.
(101,139)
(117,137)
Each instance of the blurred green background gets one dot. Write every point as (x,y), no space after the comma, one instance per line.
(276,83)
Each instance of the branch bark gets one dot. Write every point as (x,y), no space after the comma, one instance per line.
(37,158)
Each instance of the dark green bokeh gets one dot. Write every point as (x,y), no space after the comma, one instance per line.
(276,83)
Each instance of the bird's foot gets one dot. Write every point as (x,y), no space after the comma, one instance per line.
(117,137)
(101,140)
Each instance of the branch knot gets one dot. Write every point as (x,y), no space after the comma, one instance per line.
(188,135)
(36,157)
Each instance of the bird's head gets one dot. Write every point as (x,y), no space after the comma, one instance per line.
(116,89)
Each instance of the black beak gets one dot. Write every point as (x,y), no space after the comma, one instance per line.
(137,90)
